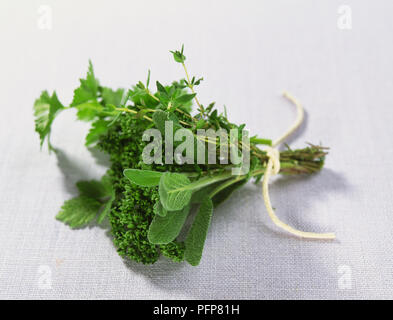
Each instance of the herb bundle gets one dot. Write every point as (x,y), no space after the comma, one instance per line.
(148,203)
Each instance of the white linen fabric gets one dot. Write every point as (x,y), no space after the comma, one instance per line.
(248,52)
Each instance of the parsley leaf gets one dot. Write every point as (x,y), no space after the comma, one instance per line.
(93,189)
(86,97)
(110,96)
(95,198)
(98,128)
(88,90)
(88,111)
(45,110)
(106,208)
(78,211)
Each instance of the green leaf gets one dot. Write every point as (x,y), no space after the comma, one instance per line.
(110,108)
(225,193)
(165,229)
(141,97)
(161,89)
(116,117)
(185,98)
(78,211)
(174,194)
(159,118)
(110,96)
(210,107)
(93,189)
(45,110)
(106,208)
(96,198)
(88,89)
(200,195)
(197,235)
(110,196)
(100,191)
(106,181)
(87,111)
(159,209)
(198,82)
(144,178)
(148,79)
(200,124)
(98,128)
(178,55)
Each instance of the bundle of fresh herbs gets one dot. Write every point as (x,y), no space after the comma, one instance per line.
(148,198)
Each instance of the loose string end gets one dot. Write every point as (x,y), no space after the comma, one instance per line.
(273,168)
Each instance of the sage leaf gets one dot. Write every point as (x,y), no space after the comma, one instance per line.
(165,229)
(226,193)
(174,191)
(200,195)
(144,178)
(159,209)
(197,235)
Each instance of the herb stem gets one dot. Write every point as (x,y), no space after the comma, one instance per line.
(152,95)
(202,110)
(134,112)
(205,181)
(225,185)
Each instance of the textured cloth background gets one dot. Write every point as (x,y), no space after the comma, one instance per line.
(248,52)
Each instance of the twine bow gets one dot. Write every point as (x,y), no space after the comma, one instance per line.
(273,168)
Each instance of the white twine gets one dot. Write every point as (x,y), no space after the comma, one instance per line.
(273,168)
